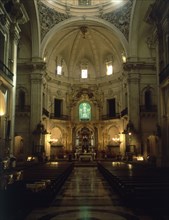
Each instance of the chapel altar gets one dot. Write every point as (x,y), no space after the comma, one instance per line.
(84,146)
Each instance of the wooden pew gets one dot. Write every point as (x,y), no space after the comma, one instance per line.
(139,186)
(20,197)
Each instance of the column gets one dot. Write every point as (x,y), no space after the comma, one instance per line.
(133,99)
(14,38)
(164,138)
(134,106)
(18,16)
(36,124)
(36,97)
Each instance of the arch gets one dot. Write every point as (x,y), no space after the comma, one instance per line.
(80,126)
(115,31)
(56,136)
(85,138)
(35,28)
(113,131)
(147,91)
(134,28)
(148,99)
(21,98)
(137,15)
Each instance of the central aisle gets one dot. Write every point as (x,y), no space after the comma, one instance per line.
(85,196)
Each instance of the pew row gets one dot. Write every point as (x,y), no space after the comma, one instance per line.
(37,188)
(141,187)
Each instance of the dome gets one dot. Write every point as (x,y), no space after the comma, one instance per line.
(85,7)
(84,42)
(89,45)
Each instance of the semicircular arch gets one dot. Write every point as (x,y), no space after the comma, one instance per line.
(88,21)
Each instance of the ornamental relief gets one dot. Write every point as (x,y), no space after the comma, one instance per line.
(85,94)
(121,18)
(50,17)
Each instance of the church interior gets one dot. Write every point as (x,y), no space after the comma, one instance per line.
(84,109)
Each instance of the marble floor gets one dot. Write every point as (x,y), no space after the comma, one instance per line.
(86,196)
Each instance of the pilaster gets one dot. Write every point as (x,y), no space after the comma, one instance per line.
(133,80)
(10,20)
(36,94)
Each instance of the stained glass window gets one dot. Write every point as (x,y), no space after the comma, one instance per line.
(84,111)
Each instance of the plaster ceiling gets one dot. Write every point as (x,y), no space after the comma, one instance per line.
(88,41)
(75,40)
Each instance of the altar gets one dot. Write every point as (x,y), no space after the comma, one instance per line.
(84,145)
(86,156)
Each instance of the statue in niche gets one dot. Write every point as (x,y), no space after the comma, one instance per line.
(85,144)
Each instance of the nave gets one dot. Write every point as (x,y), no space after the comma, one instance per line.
(87,196)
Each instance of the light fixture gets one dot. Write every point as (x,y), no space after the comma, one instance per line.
(83,30)
(140,158)
(116,139)
(53,141)
(54,163)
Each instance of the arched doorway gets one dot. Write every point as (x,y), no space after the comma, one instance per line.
(56,143)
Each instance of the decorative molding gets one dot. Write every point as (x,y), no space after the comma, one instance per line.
(89,94)
(14,33)
(139,65)
(38,66)
(16,11)
(49,17)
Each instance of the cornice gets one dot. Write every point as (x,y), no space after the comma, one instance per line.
(38,66)
(138,66)
(16,11)
(90,82)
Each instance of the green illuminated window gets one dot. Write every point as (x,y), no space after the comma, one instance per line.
(85,2)
(84,111)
